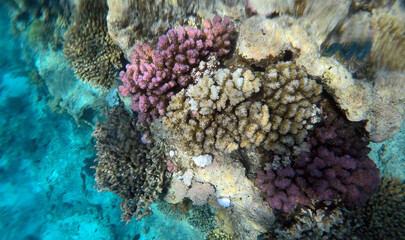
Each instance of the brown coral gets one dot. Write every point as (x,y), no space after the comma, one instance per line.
(388,49)
(384,215)
(321,223)
(132,170)
(93,55)
(227,109)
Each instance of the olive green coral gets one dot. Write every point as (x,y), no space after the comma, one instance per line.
(227,109)
(95,58)
(136,172)
(384,215)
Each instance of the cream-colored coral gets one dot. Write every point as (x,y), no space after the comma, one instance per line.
(225,89)
(291,97)
(388,49)
(232,109)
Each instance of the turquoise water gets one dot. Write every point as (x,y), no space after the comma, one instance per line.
(46,186)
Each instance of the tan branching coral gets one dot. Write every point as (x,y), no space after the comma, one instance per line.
(291,95)
(228,109)
(134,171)
(95,58)
(384,215)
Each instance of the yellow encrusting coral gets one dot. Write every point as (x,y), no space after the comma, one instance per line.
(95,58)
(228,109)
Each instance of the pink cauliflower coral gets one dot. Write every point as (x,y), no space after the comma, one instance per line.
(155,75)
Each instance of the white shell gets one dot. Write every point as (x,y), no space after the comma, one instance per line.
(224,202)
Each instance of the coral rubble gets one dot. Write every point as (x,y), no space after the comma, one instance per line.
(132,170)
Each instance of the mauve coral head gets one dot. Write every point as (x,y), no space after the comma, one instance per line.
(337,165)
(155,75)
(280,190)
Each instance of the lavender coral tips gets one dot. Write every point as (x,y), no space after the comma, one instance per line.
(155,75)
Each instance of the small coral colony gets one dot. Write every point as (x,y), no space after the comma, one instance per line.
(265,116)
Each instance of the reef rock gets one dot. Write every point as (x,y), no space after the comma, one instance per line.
(131,22)
(262,40)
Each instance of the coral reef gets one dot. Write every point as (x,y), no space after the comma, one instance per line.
(156,75)
(228,109)
(133,22)
(383,217)
(321,223)
(132,170)
(93,55)
(262,40)
(359,97)
(202,218)
(335,165)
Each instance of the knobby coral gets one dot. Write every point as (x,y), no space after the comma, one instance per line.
(334,166)
(383,217)
(154,76)
(325,224)
(95,58)
(134,171)
(228,109)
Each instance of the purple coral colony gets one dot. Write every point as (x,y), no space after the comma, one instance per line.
(335,166)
